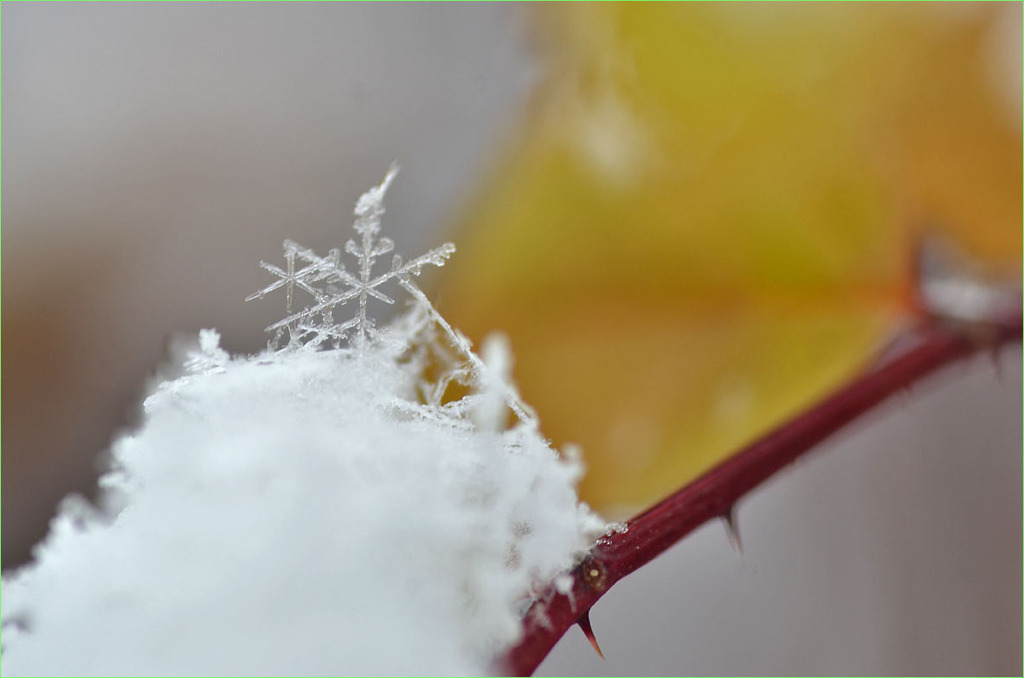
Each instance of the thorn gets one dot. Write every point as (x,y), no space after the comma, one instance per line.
(584,624)
(732,527)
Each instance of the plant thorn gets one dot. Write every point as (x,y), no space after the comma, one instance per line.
(584,624)
(732,528)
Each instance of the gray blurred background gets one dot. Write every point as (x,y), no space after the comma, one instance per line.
(155,152)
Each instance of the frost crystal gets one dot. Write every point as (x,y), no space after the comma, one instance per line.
(331,286)
(367,510)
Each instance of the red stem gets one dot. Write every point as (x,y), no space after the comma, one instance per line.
(714,494)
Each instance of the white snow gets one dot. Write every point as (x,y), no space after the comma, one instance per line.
(306,512)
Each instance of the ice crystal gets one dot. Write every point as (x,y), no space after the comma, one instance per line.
(331,286)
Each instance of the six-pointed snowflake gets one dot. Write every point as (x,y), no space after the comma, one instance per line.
(330,286)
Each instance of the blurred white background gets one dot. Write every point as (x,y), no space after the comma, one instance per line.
(155,152)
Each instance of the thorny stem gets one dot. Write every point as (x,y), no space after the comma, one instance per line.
(715,494)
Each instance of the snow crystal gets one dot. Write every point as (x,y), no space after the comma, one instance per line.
(330,285)
(371,509)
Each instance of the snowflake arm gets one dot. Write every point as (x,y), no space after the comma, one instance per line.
(477,367)
(288,279)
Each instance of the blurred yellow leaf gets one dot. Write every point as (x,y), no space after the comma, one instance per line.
(711,216)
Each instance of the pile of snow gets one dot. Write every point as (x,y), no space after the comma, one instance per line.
(309,512)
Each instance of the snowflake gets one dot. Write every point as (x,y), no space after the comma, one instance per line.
(331,286)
